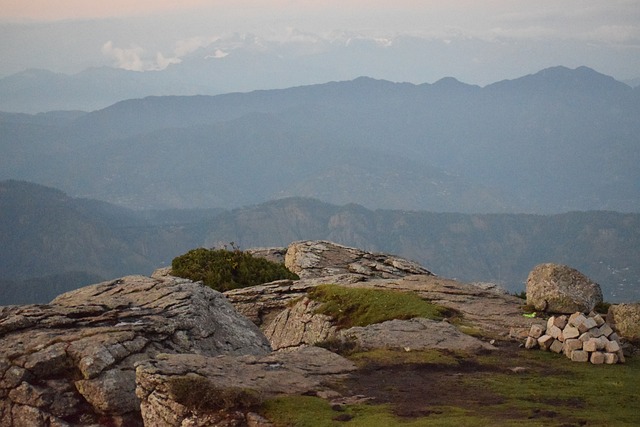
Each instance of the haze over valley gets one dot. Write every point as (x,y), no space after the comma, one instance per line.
(477,139)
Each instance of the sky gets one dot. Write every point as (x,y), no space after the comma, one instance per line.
(514,37)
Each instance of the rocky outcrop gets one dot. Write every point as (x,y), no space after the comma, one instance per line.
(196,390)
(625,320)
(299,325)
(72,362)
(321,258)
(413,334)
(555,288)
(164,351)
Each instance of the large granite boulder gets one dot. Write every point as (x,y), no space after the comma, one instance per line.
(625,320)
(556,288)
(321,258)
(72,362)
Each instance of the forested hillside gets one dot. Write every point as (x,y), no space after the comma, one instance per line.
(51,243)
(551,142)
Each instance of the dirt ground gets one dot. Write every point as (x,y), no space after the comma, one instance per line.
(417,390)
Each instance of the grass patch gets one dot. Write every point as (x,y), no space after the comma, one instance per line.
(307,411)
(552,391)
(390,357)
(599,394)
(351,306)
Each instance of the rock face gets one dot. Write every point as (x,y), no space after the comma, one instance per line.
(174,389)
(321,258)
(72,362)
(413,334)
(625,320)
(556,288)
(164,351)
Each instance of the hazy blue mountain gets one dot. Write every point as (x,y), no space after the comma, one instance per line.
(51,243)
(550,142)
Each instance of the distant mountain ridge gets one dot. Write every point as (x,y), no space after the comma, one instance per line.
(554,141)
(51,243)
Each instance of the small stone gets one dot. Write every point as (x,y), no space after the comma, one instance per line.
(599,320)
(560,321)
(610,358)
(531,343)
(554,331)
(606,330)
(536,331)
(586,324)
(570,345)
(620,354)
(576,319)
(597,358)
(596,332)
(585,337)
(545,342)
(570,332)
(556,346)
(612,347)
(614,337)
(579,356)
(591,345)
(550,322)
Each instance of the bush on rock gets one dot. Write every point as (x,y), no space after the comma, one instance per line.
(223,269)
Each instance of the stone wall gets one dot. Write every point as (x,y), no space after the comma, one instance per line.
(580,337)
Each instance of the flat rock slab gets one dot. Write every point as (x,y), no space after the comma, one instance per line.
(304,371)
(322,258)
(414,334)
(74,358)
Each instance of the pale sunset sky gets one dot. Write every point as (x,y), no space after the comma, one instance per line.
(525,36)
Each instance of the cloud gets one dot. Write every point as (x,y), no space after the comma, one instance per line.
(132,58)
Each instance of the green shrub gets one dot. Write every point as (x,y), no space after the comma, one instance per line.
(223,269)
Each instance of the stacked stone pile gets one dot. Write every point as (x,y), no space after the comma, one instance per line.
(581,337)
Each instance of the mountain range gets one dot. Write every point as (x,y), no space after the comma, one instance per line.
(242,62)
(555,141)
(51,243)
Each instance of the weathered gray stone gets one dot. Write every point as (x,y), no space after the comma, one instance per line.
(557,288)
(579,356)
(322,258)
(303,371)
(576,319)
(531,343)
(598,318)
(554,331)
(415,334)
(570,345)
(75,357)
(612,347)
(570,332)
(625,321)
(592,345)
(587,325)
(556,346)
(597,358)
(536,331)
(585,337)
(560,321)
(299,325)
(610,358)
(545,342)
